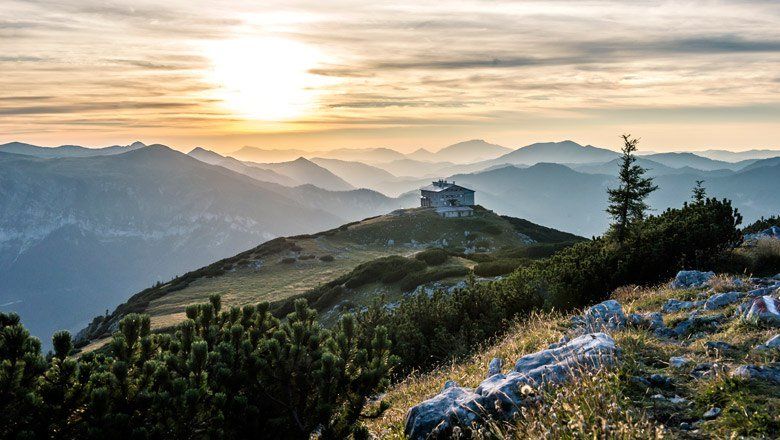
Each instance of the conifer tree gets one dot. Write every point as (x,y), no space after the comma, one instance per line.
(699,192)
(627,201)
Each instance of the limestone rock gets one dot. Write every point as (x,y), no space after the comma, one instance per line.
(687,279)
(718,346)
(765,309)
(711,413)
(679,361)
(709,323)
(607,315)
(720,300)
(767,234)
(500,395)
(675,305)
(494,367)
(768,372)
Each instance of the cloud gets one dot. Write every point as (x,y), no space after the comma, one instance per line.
(90,107)
(493,64)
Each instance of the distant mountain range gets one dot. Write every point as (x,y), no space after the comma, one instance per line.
(736,156)
(81,228)
(66,150)
(78,234)
(368,155)
(475,150)
(560,197)
(556,152)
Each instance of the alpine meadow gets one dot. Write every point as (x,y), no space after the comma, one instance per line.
(410,220)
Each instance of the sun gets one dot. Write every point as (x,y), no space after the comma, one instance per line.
(266,79)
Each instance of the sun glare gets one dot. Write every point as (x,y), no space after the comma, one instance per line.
(266,79)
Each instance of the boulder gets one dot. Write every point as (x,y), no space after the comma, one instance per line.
(652,321)
(607,315)
(660,381)
(501,395)
(720,300)
(679,361)
(494,367)
(711,413)
(770,233)
(769,373)
(771,344)
(718,346)
(675,305)
(765,309)
(709,323)
(687,279)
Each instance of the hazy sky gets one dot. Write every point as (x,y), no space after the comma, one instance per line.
(404,74)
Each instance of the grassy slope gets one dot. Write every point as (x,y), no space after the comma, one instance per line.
(260,274)
(582,409)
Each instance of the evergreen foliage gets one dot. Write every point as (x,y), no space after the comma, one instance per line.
(430,330)
(699,192)
(627,201)
(236,373)
(762,224)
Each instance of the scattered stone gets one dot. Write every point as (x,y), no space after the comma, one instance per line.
(494,367)
(658,397)
(607,315)
(675,305)
(501,395)
(449,384)
(687,279)
(765,310)
(705,369)
(685,426)
(705,323)
(767,234)
(769,373)
(660,381)
(641,381)
(711,413)
(718,346)
(720,300)
(761,291)
(679,361)
(772,343)
(678,400)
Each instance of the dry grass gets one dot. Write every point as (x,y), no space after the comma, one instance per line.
(609,404)
(533,334)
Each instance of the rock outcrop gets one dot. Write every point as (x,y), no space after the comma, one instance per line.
(687,279)
(588,345)
(765,309)
(500,395)
(770,233)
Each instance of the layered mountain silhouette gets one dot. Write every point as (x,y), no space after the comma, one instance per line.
(78,234)
(81,228)
(66,150)
(263,175)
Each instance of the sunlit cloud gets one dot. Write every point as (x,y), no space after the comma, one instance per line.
(405,73)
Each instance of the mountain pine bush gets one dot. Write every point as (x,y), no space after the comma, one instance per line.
(235,373)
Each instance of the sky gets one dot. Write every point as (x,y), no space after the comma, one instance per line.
(403,74)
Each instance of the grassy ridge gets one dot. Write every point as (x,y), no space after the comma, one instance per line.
(314,266)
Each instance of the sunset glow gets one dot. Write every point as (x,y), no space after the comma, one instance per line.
(403,74)
(265,79)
